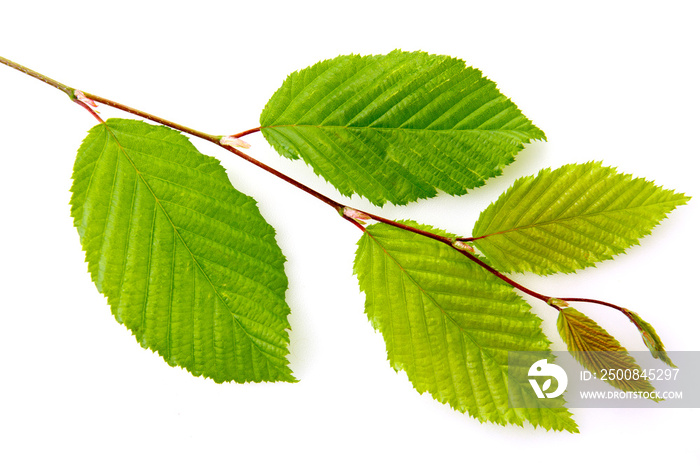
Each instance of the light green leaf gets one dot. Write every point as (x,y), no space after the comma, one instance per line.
(650,338)
(598,351)
(566,219)
(187,263)
(451,325)
(396,127)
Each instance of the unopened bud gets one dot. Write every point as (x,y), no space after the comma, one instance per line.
(557,302)
(356,214)
(81,97)
(462,246)
(234,142)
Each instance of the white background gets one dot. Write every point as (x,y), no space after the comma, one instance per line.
(611,81)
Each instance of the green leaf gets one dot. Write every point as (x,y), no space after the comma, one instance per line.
(566,219)
(650,337)
(187,263)
(396,127)
(597,350)
(451,325)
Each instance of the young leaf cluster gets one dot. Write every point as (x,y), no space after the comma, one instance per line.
(597,350)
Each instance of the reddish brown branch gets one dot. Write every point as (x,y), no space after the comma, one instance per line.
(246,132)
(340,208)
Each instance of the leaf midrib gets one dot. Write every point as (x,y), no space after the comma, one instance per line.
(568,219)
(384,128)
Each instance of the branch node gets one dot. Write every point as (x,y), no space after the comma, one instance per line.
(462,246)
(355,214)
(81,97)
(233,141)
(557,302)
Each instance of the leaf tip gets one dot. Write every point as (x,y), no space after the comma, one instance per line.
(650,338)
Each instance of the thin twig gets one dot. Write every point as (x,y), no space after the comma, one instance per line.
(246,132)
(339,207)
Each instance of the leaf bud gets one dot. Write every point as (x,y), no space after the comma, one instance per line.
(557,302)
(356,214)
(81,97)
(462,246)
(232,141)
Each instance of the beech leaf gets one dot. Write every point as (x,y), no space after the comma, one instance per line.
(570,218)
(451,325)
(396,127)
(186,262)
